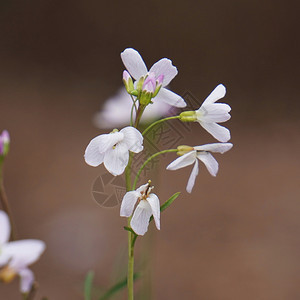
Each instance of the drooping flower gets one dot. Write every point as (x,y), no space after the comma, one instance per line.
(161,74)
(4,143)
(113,149)
(148,205)
(16,256)
(116,111)
(211,113)
(190,155)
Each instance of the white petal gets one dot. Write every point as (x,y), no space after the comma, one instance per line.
(210,162)
(134,63)
(155,207)
(219,132)
(4,228)
(133,139)
(192,178)
(24,253)
(218,93)
(128,203)
(215,147)
(140,219)
(164,67)
(170,98)
(92,155)
(27,278)
(216,112)
(116,159)
(182,161)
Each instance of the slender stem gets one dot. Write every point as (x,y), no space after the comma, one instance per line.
(139,115)
(159,121)
(5,204)
(130,264)
(146,162)
(131,113)
(131,236)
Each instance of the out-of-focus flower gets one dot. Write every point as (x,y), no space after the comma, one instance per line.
(161,73)
(4,143)
(211,113)
(113,149)
(116,111)
(190,155)
(16,256)
(148,205)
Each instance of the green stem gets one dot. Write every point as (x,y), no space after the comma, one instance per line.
(146,162)
(139,115)
(130,264)
(5,204)
(158,122)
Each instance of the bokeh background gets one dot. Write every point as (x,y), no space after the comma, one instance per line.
(238,235)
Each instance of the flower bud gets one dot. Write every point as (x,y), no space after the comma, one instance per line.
(7,274)
(159,82)
(4,143)
(127,80)
(188,116)
(183,149)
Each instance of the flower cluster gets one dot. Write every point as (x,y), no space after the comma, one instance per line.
(16,256)
(147,88)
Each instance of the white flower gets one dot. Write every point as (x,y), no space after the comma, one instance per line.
(116,111)
(113,149)
(148,205)
(16,256)
(202,153)
(211,113)
(162,70)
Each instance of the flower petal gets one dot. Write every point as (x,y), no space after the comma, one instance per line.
(133,139)
(134,63)
(116,159)
(219,132)
(164,67)
(170,98)
(182,161)
(24,253)
(216,112)
(218,93)
(4,228)
(128,203)
(210,162)
(215,147)
(27,278)
(192,178)
(155,207)
(92,155)
(140,219)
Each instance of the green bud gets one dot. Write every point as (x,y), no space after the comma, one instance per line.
(183,149)
(188,116)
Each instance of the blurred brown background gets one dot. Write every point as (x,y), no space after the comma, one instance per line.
(238,235)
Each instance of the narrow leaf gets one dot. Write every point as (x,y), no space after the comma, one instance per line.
(167,203)
(88,285)
(117,287)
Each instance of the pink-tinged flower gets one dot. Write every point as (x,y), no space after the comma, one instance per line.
(211,113)
(203,153)
(4,142)
(113,149)
(16,256)
(148,205)
(163,72)
(116,111)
